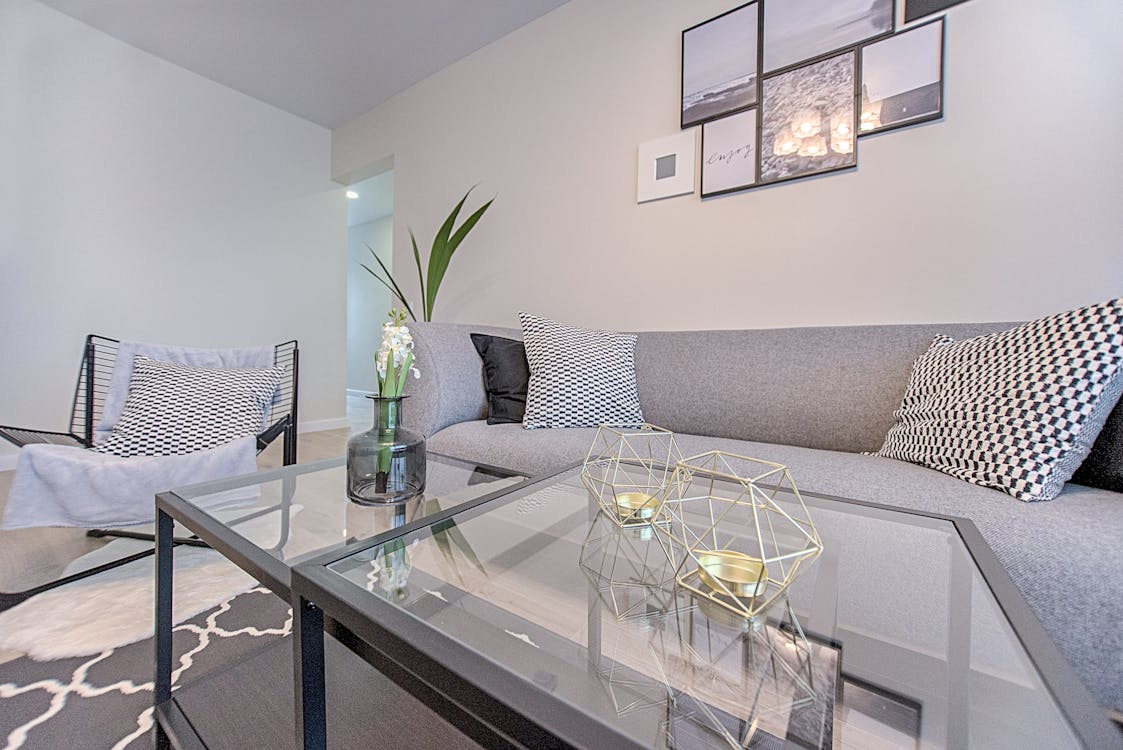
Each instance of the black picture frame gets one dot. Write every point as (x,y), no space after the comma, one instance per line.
(729,151)
(925,98)
(777,115)
(706,66)
(842,28)
(916,9)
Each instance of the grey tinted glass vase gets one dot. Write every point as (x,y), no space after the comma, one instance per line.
(385,464)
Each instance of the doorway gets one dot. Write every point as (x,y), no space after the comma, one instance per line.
(370,226)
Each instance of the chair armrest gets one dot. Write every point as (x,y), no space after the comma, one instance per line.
(22,436)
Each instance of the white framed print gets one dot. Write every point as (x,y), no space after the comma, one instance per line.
(729,158)
(665,167)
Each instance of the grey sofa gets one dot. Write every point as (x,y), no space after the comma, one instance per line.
(814,399)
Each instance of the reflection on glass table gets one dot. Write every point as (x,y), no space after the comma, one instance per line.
(907,644)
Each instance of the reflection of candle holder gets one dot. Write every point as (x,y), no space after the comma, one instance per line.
(627,470)
(729,684)
(725,528)
(628,568)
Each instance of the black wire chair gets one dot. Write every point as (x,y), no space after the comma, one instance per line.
(99,357)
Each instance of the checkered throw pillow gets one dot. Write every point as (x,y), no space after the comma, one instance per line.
(172,409)
(1016,410)
(578,377)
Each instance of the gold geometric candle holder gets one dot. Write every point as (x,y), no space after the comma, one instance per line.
(732,542)
(627,470)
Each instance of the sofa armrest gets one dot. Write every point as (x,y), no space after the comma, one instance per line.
(451,387)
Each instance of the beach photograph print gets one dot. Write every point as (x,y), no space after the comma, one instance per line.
(902,79)
(808,120)
(729,153)
(719,58)
(798,30)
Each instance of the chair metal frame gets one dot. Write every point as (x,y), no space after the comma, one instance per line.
(99,357)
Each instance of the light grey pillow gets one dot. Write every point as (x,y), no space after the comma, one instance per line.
(1016,410)
(172,409)
(579,377)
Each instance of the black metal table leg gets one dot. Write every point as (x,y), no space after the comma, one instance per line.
(163,677)
(308,675)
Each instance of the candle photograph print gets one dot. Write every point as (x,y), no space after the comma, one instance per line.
(729,154)
(808,120)
(902,79)
(798,30)
(719,65)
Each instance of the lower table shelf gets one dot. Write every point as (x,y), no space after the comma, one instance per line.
(251,705)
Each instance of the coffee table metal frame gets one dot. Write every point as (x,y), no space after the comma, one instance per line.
(173,728)
(498,709)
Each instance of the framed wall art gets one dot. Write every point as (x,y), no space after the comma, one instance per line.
(903,79)
(719,65)
(808,120)
(665,167)
(915,9)
(799,30)
(729,153)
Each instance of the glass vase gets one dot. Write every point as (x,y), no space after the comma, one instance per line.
(385,464)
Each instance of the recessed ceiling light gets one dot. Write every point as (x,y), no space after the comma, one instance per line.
(352,195)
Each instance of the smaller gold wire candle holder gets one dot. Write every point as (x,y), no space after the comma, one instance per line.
(736,529)
(627,470)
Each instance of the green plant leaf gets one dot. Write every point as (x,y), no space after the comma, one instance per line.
(393,285)
(439,255)
(404,374)
(420,275)
(381,280)
(443,253)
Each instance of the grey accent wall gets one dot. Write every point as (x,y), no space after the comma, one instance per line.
(1007,209)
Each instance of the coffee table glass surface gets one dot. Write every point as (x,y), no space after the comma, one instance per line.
(539,601)
(282,516)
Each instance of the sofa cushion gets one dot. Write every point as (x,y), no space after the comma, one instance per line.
(506,377)
(1061,542)
(1016,410)
(579,377)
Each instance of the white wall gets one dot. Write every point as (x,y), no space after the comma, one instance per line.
(142,201)
(1008,208)
(367,301)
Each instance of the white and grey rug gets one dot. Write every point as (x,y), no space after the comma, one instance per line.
(104,700)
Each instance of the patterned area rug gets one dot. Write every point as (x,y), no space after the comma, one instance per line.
(105,701)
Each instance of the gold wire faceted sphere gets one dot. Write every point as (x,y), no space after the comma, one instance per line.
(627,471)
(736,530)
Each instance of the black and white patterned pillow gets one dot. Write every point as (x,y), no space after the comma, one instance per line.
(578,377)
(1017,410)
(173,409)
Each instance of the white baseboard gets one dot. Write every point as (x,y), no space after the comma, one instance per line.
(318,425)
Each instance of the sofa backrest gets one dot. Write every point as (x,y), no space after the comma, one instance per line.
(833,387)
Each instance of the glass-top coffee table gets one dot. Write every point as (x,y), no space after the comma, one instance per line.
(270,521)
(527,618)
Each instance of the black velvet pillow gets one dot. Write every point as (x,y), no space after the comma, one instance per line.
(506,376)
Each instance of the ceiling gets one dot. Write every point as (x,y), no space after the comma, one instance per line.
(327,61)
